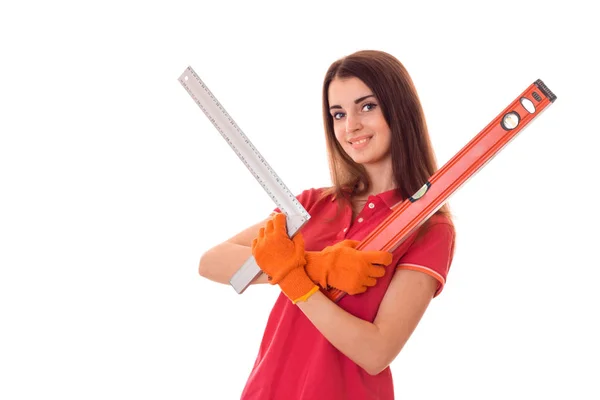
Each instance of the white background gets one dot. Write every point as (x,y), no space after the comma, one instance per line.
(113,183)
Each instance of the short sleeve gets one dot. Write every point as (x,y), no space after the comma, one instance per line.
(432,253)
(308,198)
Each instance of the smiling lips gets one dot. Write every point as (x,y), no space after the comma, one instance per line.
(359,142)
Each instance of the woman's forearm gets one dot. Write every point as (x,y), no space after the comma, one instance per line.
(373,346)
(358,339)
(222,261)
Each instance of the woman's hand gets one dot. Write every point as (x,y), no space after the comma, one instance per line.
(282,259)
(344,267)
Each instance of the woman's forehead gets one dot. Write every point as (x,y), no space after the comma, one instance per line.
(347,90)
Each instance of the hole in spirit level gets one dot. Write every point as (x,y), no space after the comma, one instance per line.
(528,105)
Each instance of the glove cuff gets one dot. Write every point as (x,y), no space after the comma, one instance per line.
(297,286)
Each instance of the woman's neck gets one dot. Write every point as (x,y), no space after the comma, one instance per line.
(381,177)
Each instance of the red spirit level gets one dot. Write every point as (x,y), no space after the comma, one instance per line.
(410,214)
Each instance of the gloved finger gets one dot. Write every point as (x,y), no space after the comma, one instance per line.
(261,233)
(376,271)
(254,242)
(378,257)
(349,243)
(298,240)
(370,282)
(269,227)
(359,290)
(280,223)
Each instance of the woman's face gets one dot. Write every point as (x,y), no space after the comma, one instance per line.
(358,122)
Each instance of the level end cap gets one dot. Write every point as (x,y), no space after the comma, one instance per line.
(547,92)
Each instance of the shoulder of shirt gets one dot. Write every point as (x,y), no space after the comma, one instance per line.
(440,219)
(313,192)
(313,196)
(437,225)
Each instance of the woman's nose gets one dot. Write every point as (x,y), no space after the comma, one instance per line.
(352,123)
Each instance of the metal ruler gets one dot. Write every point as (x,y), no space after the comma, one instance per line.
(296,215)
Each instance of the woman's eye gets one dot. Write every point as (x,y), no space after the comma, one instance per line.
(338,115)
(369,106)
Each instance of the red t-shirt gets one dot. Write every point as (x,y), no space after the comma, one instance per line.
(295,361)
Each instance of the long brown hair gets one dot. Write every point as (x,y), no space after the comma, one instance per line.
(413,159)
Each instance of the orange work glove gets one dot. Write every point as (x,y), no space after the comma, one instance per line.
(344,267)
(282,259)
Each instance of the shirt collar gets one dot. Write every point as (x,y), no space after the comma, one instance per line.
(390,197)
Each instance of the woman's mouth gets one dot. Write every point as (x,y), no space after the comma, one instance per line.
(360,142)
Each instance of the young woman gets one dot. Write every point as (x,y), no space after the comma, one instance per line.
(380,154)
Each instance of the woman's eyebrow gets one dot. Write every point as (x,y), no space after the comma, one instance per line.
(355,101)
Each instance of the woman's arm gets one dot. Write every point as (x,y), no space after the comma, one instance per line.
(222,261)
(373,346)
